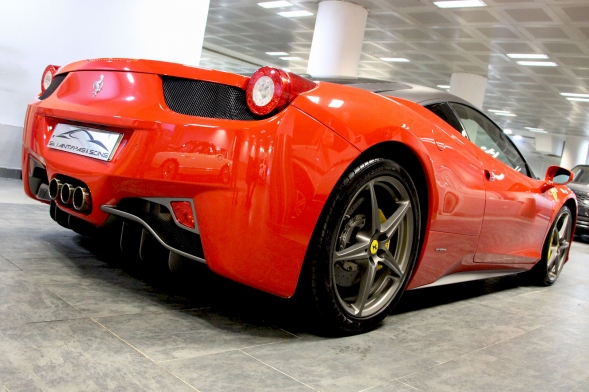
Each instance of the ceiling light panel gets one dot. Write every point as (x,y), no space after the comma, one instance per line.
(275,4)
(530,56)
(575,95)
(538,63)
(537,130)
(395,59)
(295,14)
(277,53)
(460,4)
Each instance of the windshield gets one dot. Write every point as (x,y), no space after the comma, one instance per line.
(581,175)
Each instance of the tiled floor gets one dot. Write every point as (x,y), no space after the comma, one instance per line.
(72,319)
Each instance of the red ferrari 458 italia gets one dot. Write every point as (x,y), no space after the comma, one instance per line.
(351,191)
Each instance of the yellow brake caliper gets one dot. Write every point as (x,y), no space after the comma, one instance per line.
(382,220)
(549,246)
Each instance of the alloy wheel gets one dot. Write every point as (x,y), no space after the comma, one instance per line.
(559,244)
(373,249)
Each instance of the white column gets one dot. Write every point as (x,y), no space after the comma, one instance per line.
(469,87)
(549,144)
(337,39)
(575,152)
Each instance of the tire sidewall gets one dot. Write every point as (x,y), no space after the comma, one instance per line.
(542,272)
(322,268)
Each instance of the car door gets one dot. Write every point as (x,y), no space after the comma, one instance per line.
(516,213)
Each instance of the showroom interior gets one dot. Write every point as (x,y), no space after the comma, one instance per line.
(74,317)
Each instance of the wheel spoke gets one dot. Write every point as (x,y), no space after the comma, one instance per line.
(564,245)
(366,282)
(374,213)
(553,257)
(389,227)
(358,251)
(391,263)
(563,229)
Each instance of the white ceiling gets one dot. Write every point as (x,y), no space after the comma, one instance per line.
(438,42)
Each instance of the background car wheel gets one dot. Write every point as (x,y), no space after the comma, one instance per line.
(169,169)
(367,247)
(556,249)
(225,175)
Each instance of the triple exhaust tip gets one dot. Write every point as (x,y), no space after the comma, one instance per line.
(79,197)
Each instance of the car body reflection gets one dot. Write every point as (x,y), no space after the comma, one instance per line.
(195,159)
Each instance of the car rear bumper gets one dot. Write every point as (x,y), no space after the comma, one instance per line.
(270,202)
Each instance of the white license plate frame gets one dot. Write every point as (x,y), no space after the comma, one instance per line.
(89,142)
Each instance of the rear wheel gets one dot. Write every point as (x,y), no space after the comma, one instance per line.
(225,175)
(367,246)
(556,249)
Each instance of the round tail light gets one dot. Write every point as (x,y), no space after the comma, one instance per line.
(48,75)
(270,89)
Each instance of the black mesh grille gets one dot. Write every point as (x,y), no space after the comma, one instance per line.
(206,99)
(53,86)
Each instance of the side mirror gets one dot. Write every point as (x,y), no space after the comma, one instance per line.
(556,175)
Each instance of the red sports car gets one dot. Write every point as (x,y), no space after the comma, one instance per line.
(350,191)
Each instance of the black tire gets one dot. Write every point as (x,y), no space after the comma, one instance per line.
(387,250)
(555,250)
(224,175)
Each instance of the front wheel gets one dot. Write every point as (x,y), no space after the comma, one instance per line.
(367,246)
(556,249)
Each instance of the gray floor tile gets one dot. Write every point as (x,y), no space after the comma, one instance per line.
(105,290)
(560,348)
(395,386)
(345,364)
(443,334)
(183,334)
(53,263)
(232,371)
(6,265)
(583,387)
(100,298)
(11,191)
(24,300)
(76,355)
(482,372)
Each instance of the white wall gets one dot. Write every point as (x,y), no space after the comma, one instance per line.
(35,33)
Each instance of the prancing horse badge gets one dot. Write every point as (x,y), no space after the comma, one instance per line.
(98,85)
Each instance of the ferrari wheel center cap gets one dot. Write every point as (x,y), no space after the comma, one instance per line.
(374,247)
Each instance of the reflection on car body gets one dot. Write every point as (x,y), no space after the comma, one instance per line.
(195,158)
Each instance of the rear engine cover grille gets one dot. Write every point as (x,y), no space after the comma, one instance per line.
(206,99)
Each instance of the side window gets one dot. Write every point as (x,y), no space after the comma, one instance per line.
(443,111)
(490,138)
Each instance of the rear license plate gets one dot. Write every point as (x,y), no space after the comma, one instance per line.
(89,142)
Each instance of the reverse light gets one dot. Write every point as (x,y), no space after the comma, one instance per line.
(183,213)
(48,76)
(270,89)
